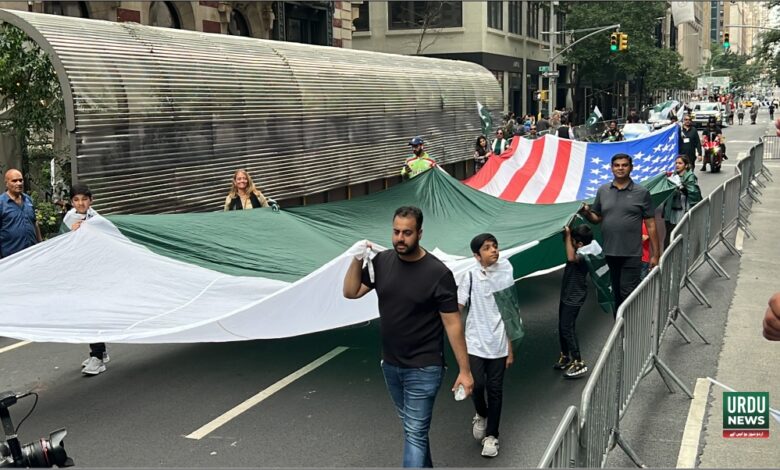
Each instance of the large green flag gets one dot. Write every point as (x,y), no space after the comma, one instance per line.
(595,116)
(486,118)
(599,273)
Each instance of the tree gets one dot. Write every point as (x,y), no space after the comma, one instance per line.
(742,69)
(769,51)
(30,90)
(654,68)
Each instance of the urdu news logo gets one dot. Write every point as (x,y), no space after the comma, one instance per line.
(746,414)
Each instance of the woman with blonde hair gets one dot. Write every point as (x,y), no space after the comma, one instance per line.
(243,193)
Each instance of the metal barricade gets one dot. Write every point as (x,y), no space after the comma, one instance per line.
(771,147)
(746,196)
(682,229)
(671,265)
(640,311)
(758,163)
(600,405)
(564,448)
(714,230)
(731,216)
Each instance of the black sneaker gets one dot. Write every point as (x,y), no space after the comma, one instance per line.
(563,362)
(576,370)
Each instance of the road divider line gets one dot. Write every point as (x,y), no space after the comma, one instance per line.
(11,347)
(205,430)
(689,447)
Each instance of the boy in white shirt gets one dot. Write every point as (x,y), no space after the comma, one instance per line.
(491,328)
(81,199)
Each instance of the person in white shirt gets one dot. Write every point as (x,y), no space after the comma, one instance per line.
(488,340)
(81,199)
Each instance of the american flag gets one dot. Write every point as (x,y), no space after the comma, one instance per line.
(550,169)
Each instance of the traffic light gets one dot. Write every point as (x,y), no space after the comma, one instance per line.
(544,95)
(613,42)
(726,42)
(623,46)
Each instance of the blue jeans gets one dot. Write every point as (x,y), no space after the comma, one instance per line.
(413,391)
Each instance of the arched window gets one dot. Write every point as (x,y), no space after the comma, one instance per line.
(75,9)
(164,14)
(238,26)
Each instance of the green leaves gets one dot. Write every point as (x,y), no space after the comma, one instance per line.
(28,85)
(595,64)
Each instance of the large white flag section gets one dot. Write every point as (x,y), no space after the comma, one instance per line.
(229,276)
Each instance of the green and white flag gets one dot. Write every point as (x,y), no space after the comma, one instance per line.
(501,283)
(599,273)
(486,118)
(595,116)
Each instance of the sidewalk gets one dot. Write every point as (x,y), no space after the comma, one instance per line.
(748,362)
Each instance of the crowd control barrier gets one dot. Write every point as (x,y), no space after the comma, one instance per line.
(632,348)
(672,276)
(600,405)
(771,147)
(564,449)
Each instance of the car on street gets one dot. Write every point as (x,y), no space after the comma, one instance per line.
(702,111)
(632,131)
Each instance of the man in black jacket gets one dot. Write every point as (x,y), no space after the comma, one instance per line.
(689,141)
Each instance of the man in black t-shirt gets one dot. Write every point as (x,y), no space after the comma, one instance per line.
(418,301)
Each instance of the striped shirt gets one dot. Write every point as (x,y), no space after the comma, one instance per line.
(485,332)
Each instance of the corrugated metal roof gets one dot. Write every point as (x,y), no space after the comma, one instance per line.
(160,118)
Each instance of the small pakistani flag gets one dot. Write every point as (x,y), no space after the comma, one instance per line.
(599,273)
(595,116)
(486,118)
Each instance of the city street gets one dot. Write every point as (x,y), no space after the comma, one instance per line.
(144,411)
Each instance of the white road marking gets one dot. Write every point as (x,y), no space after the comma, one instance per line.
(689,447)
(11,347)
(203,431)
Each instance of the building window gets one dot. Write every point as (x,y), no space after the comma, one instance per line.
(560,25)
(516,17)
(164,14)
(532,20)
(238,25)
(495,15)
(362,23)
(545,23)
(417,15)
(75,9)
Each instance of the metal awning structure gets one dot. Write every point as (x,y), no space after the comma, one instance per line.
(160,118)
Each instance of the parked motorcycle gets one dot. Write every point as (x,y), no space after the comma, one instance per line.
(713,153)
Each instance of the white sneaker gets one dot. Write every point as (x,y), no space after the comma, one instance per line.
(479,424)
(105,359)
(489,447)
(94,366)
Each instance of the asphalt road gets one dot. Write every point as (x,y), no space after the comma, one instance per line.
(138,413)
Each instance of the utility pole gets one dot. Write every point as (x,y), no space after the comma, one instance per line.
(551,80)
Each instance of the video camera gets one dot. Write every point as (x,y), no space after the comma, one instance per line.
(37,454)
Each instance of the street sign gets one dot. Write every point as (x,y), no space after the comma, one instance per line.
(544,68)
(553,74)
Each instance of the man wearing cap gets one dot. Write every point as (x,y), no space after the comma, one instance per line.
(419,162)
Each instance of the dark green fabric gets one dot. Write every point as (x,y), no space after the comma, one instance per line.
(599,274)
(509,307)
(691,184)
(290,244)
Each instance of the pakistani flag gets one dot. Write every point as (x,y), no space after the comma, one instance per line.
(599,273)
(501,283)
(594,117)
(486,118)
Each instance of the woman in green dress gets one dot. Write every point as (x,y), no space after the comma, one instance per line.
(687,195)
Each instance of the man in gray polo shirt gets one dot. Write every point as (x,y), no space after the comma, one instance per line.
(620,207)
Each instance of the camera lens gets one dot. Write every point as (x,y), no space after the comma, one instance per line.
(45,453)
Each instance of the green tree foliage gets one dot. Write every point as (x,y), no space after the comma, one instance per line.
(769,51)
(660,68)
(29,89)
(742,71)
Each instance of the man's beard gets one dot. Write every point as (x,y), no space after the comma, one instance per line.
(407,249)
(418,152)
